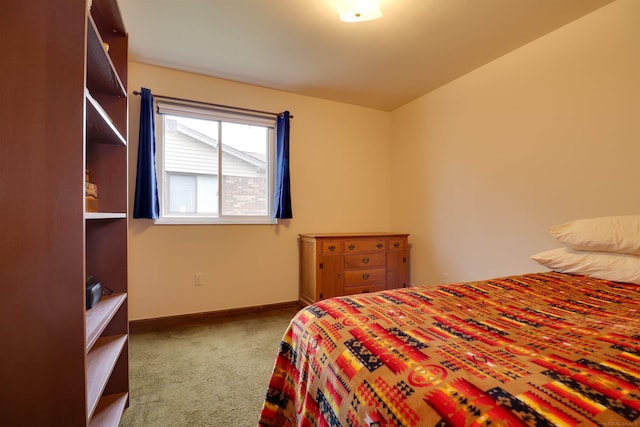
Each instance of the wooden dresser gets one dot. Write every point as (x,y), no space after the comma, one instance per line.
(346,264)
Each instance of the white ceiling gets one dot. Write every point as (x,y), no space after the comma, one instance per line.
(300,46)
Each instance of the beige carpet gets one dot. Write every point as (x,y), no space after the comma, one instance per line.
(205,372)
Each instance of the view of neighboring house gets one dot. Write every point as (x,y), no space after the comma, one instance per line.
(192,174)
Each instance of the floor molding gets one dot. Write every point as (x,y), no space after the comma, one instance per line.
(154,324)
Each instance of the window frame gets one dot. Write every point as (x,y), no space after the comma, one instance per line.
(163,108)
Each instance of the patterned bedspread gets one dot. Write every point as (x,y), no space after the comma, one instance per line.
(538,349)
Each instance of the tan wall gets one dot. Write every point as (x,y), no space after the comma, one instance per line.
(550,132)
(340,182)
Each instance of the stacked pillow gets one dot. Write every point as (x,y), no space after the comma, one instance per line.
(606,248)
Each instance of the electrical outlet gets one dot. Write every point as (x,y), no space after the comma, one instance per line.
(197,279)
(445,278)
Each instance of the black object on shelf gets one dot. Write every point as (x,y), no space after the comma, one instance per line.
(94,291)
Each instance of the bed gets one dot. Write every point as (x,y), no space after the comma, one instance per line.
(536,349)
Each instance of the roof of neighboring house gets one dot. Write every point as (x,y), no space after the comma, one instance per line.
(256,159)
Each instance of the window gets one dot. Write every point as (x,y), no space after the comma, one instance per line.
(215,166)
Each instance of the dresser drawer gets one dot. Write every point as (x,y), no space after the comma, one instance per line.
(365,245)
(364,261)
(331,246)
(363,289)
(355,277)
(399,244)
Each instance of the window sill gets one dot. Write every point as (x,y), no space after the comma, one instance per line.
(215,221)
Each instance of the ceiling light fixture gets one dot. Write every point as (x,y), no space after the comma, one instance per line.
(358,10)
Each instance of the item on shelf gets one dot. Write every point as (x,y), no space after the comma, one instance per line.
(91,204)
(94,291)
(90,194)
(91,189)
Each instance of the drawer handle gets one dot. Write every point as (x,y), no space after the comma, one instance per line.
(396,245)
(332,247)
(365,276)
(365,260)
(365,291)
(352,247)
(379,245)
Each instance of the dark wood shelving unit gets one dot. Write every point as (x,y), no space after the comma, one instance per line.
(65,111)
(101,360)
(106,334)
(100,127)
(109,408)
(98,317)
(105,215)
(102,76)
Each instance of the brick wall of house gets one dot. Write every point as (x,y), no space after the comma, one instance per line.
(239,194)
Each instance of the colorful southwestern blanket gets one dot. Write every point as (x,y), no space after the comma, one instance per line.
(545,349)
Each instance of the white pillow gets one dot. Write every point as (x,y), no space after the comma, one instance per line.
(601,265)
(618,234)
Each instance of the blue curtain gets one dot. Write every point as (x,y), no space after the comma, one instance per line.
(282,193)
(146,203)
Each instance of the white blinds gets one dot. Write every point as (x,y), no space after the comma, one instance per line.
(213,112)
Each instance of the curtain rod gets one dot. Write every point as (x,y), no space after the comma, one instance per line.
(135,92)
